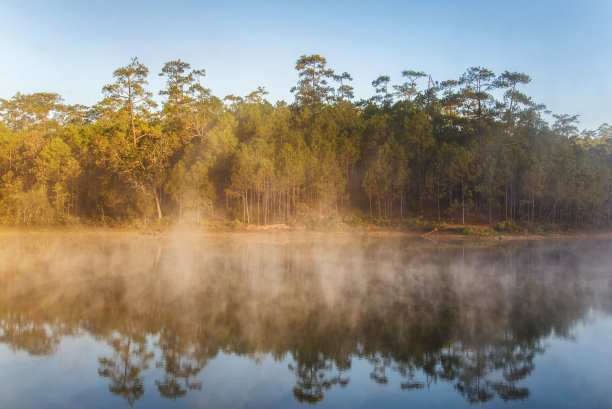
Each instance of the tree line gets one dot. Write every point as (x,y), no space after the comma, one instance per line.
(475,149)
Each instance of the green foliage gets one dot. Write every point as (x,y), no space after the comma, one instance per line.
(355,220)
(418,224)
(508,226)
(469,231)
(236,224)
(28,207)
(326,224)
(447,152)
(312,90)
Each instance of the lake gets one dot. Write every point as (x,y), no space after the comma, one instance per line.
(111,320)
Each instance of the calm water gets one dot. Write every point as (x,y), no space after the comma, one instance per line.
(112,320)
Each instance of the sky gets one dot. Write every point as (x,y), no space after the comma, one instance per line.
(73,47)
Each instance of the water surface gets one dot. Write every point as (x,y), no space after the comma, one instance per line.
(106,320)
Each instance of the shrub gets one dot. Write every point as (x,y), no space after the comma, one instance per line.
(236,224)
(508,226)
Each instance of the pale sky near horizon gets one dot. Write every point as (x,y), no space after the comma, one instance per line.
(72,47)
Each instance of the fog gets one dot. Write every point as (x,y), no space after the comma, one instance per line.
(470,313)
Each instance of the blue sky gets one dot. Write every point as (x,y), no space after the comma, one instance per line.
(72,47)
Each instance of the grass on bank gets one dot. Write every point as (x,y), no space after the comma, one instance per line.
(353,221)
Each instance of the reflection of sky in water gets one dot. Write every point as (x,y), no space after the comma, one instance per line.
(248,320)
(572,374)
(68,379)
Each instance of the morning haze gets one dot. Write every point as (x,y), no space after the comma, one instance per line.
(264,320)
(272,205)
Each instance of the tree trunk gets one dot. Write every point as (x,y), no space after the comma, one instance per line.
(258,199)
(533,207)
(157,204)
(246,203)
(131,105)
(506,201)
(243,208)
(490,200)
(462,202)
(438,200)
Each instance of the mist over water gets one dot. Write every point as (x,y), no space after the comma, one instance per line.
(248,320)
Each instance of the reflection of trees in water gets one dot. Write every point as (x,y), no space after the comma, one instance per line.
(471,317)
(180,369)
(474,370)
(34,337)
(316,373)
(379,369)
(125,368)
(321,356)
(310,370)
(479,330)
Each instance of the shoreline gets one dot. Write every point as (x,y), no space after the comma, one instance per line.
(434,235)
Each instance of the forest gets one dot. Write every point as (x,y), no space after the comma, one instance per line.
(475,149)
